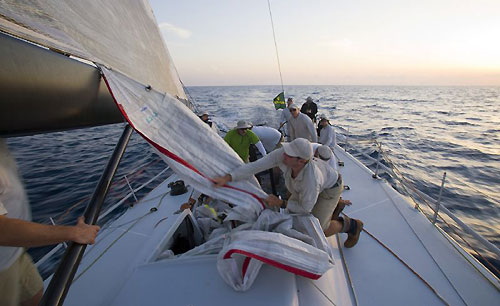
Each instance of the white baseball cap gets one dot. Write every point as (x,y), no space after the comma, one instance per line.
(300,147)
(324,152)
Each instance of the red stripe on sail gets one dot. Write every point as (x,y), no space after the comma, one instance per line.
(271,262)
(172,155)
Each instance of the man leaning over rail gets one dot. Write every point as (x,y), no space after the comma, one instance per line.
(315,187)
(20,282)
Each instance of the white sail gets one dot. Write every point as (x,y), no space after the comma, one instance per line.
(120,34)
(122,38)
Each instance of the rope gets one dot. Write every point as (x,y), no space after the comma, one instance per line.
(321,291)
(135,172)
(404,263)
(347,269)
(121,235)
(398,175)
(404,182)
(477,190)
(275,45)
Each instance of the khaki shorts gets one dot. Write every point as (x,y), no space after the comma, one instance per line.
(20,282)
(326,203)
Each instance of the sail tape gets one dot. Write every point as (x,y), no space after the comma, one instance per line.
(172,155)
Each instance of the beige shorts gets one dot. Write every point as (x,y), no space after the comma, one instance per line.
(20,282)
(326,203)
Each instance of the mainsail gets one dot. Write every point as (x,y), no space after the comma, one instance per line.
(122,38)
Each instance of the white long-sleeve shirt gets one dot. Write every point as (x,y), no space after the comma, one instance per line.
(327,136)
(285,115)
(316,176)
(270,137)
(302,127)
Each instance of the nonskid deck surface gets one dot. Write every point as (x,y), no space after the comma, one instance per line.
(118,270)
(379,277)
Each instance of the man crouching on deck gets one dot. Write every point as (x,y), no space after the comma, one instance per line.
(315,187)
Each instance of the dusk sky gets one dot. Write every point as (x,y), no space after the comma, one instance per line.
(385,42)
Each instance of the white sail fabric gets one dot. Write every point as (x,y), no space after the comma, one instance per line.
(188,145)
(122,38)
(121,34)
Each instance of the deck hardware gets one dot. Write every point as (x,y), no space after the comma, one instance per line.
(177,188)
(153,209)
(375,175)
(439,199)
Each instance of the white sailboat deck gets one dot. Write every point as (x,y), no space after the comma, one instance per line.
(122,268)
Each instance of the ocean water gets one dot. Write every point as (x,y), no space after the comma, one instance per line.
(424,131)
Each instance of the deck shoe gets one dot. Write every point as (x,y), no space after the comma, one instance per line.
(353,236)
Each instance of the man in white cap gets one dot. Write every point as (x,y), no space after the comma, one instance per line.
(310,109)
(241,137)
(300,126)
(314,186)
(324,153)
(204,117)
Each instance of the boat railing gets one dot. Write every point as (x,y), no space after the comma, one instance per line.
(435,205)
(111,209)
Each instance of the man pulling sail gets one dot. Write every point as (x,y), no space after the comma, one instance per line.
(315,187)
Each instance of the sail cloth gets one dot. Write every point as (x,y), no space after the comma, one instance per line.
(188,145)
(122,34)
(121,37)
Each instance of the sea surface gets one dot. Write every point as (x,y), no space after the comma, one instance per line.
(423,131)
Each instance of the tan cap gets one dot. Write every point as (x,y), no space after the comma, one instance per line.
(242,124)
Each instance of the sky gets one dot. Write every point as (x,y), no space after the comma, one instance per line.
(332,42)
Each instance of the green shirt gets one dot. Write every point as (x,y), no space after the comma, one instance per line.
(241,144)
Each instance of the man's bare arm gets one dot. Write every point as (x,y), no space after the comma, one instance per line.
(20,233)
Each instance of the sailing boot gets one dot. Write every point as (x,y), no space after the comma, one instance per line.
(355,228)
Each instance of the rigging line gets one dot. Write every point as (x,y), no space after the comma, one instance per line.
(109,247)
(466,242)
(346,267)
(191,99)
(275,45)
(426,249)
(121,236)
(475,189)
(404,182)
(406,265)
(321,291)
